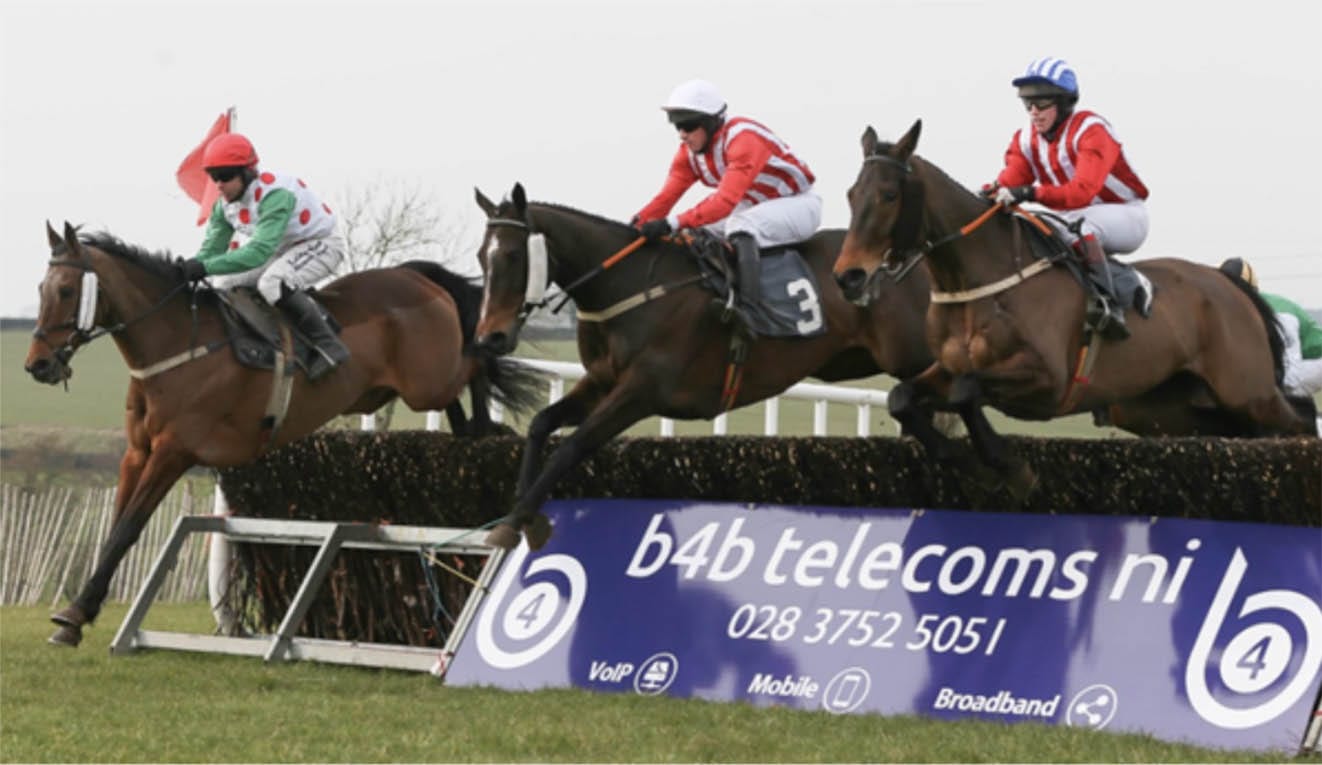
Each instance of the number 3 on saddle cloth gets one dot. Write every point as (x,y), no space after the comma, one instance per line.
(791,303)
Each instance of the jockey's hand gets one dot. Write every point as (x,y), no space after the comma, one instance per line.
(988,190)
(1009,196)
(194,270)
(655,229)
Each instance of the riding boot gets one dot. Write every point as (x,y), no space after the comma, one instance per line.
(750,281)
(1103,314)
(328,351)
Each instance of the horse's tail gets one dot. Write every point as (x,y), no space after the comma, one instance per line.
(466,291)
(516,386)
(1234,270)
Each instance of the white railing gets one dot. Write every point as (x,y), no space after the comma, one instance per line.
(821,396)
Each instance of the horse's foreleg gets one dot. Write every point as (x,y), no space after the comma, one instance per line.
(134,507)
(912,403)
(569,410)
(992,448)
(616,412)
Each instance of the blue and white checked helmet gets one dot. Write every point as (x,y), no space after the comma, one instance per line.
(1054,73)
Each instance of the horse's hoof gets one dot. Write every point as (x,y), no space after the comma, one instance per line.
(68,634)
(504,536)
(537,531)
(69,616)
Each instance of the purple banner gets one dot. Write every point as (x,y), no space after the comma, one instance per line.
(1199,631)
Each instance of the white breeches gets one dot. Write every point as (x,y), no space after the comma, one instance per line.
(783,220)
(1120,226)
(1303,377)
(300,267)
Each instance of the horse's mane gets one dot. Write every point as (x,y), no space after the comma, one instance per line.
(159,264)
(580,213)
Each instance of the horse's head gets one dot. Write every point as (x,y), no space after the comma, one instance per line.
(68,308)
(885,205)
(514,269)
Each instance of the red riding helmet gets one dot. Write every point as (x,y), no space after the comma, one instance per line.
(229,150)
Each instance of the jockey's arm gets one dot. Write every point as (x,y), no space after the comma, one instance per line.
(273,214)
(217,237)
(1098,153)
(1017,170)
(745,156)
(678,180)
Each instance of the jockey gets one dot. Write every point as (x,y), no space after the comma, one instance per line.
(1071,162)
(1302,336)
(763,193)
(292,241)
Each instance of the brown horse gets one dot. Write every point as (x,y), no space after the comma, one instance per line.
(650,343)
(407,329)
(1006,331)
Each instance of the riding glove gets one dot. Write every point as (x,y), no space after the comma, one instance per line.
(988,190)
(1009,196)
(194,270)
(655,229)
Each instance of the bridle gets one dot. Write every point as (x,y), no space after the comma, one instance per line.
(539,267)
(83,324)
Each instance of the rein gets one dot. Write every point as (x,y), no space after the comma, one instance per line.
(629,303)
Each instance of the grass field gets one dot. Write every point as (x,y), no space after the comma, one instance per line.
(82,705)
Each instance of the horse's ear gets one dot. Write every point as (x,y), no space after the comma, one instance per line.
(71,239)
(904,148)
(869,142)
(54,238)
(487,205)
(520,199)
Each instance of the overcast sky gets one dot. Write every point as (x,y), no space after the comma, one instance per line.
(1216,103)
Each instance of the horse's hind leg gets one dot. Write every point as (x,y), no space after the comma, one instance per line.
(454,414)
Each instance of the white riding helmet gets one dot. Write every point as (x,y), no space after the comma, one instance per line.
(697,96)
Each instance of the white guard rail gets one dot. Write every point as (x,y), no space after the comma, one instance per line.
(821,395)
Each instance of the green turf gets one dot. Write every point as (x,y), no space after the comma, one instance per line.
(83,705)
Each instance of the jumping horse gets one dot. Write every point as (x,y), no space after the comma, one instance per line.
(649,341)
(1007,328)
(408,329)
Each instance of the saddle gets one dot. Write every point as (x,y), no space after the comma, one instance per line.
(1124,283)
(789,287)
(253,329)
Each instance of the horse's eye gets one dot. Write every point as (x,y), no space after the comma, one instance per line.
(66,293)
(889,196)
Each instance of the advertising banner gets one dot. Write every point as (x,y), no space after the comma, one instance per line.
(1199,631)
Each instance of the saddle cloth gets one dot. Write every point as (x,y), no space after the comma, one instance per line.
(791,301)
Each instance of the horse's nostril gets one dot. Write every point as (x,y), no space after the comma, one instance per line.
(851,281)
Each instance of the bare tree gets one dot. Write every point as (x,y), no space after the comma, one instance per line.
(387,224)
